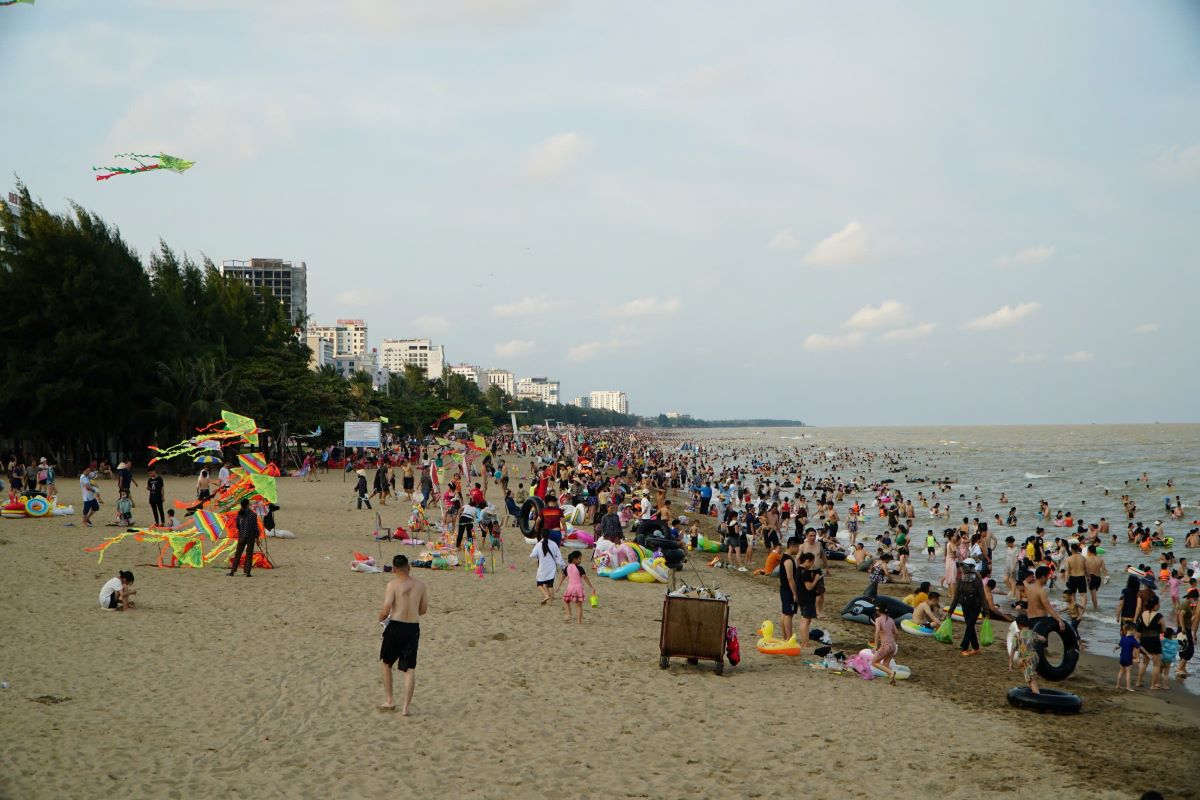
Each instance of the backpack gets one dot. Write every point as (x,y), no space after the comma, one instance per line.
(733,649)
(969,593)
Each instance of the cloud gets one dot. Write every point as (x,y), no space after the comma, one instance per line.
(1003,317)
(1149,327)
(515,347)
(523,307)
(1176,164)
(906,334)
(820,341)
(645,306)
(1078,357)
(554,157)
(1028,358)
(783,241)
(889,312)
(431,323)
(590,350)
(847,246)
(1030,255)
(357,297)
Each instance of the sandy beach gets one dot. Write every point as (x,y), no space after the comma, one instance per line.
(268,687)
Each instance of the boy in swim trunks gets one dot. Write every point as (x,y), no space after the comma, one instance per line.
(404,602)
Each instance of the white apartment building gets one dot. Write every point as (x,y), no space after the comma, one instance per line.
(541,389)
(610,400)
(582,402)
(322,351)
(349,336)
(469,371)
(348,365)
(288,282)
(396,354)
(504,379)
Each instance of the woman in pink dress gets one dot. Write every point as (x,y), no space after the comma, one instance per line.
(951,576)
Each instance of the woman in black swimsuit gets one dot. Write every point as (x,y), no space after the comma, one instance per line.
(1150,628)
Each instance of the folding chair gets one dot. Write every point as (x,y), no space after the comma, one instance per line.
(510,511)
(381,533)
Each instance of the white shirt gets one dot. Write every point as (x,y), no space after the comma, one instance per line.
(108,590)
(645,508)
(547,562)
(85,486)
(223,475)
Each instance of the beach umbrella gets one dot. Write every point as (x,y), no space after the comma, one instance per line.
(206,458)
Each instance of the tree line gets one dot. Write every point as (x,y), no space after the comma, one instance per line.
(104,354)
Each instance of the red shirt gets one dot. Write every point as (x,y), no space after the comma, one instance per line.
(552,518)
(477,498)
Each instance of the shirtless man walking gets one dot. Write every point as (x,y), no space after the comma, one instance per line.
(1035,596)
(404,601)
(1077,573)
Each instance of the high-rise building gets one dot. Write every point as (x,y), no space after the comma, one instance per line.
(582,402)
(286,281)
(610,400)
(469,371)
(349,336)
(396,354)
(322,351)
(504,379)
(348,365)
(540,389)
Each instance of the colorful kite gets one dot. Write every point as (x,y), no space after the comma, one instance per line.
(236,430)
(165,161)
(453,413)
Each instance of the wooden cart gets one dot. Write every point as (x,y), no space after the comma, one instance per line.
(693,628)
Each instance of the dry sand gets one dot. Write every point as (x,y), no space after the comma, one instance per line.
(267,687)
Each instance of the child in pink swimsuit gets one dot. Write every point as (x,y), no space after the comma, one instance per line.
(574,576)
(885,643)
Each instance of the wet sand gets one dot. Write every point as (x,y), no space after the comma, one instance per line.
(267,687)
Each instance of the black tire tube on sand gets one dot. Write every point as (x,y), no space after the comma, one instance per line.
(835,555)
(529,509)
(1054,701)
(1044,626)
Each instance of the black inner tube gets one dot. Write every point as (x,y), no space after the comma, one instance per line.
(530,509)
(1062,668)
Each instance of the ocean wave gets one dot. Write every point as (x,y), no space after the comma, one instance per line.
(1030,476)
(1103,462)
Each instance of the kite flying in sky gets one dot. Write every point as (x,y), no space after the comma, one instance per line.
(164,162)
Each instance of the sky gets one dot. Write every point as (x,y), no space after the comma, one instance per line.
(867,213)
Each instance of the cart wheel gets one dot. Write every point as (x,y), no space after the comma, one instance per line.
(663,662)
(720,668)
(693,661)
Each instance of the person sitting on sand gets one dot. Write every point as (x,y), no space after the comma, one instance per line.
(928,612)
(773,559)
(117,593)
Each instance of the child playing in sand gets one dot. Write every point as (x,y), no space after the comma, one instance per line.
(574,576)
(124,509)
(117,593)
(1026,649)
(1128,646)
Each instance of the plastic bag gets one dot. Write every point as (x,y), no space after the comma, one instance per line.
(945,631)
(986,637)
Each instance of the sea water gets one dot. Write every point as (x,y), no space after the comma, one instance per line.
(1069,466)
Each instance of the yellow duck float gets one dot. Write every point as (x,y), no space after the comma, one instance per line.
(776,647)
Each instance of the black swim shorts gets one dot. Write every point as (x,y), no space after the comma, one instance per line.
(1093,582)
(1077,584)
(808,609)
(787,603)
(400,640)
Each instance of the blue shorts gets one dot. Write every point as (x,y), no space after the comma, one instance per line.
(91,505)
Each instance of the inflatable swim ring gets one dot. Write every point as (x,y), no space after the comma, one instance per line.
(1046,627)
(641,576)
(529,509)
(707,545)
(1054,701)
(771,646)
(37,506)
(908,626)
(903,673)
(623,571)
(657,568)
